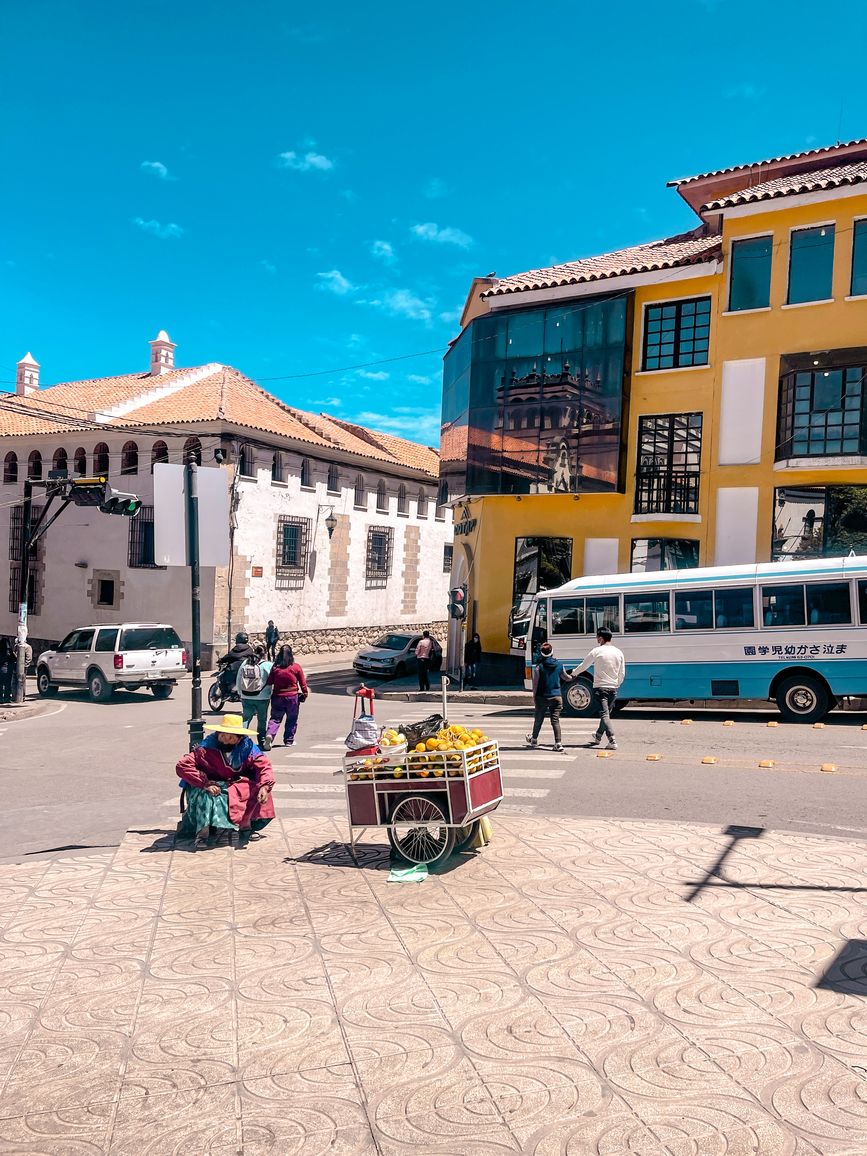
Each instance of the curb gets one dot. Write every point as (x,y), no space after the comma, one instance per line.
(507,697)
(14,713)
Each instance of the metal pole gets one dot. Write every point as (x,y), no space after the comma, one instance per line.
(23,587)
(191,488)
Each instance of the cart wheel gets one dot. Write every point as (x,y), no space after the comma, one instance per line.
(466,836)
(418,831)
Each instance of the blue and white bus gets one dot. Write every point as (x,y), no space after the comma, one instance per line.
(793,632)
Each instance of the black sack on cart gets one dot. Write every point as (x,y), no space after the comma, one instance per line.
(421,731)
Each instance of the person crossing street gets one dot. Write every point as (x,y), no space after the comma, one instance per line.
(548,678)
(609,670)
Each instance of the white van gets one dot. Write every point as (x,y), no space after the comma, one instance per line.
(108,658)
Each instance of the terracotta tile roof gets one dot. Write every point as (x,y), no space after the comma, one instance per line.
(826,150)
(187,398)
(786,186)
(684,249)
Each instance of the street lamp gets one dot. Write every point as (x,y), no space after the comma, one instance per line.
(331,523)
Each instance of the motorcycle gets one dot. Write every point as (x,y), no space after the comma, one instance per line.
(217,696)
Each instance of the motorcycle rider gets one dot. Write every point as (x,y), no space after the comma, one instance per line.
(231,662)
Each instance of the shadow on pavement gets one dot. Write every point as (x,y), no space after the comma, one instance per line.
(373,856)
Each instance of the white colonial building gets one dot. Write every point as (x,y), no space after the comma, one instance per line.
(336,530)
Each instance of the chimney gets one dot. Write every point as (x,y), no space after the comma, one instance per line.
(26,375)
(162,354)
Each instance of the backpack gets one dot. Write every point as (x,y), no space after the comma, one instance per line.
(251,678)
(436,655)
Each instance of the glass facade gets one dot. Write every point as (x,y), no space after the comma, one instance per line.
(811,264)
(663,554)
(669,462)
(750,280)
(676,334)
(819,521)
(533,400)
(822,413)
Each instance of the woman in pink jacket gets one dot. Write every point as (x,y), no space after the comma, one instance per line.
(290,689)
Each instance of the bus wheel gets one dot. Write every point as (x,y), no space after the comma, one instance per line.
(578,699)
(803,698)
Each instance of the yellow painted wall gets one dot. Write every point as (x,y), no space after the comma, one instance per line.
(490,550)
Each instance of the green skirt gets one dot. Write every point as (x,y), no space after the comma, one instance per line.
(204,810)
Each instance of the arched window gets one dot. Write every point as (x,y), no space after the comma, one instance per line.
(422,504)
(129,458)
(159,454)
(60,461)
(100,458)
(333,479)
(442,500)
(402,500)
(306,474)
(34,466)
(80,462)
(246,462)
(277,468)
(381,498)
(193,448)
(360,492)
(10,469)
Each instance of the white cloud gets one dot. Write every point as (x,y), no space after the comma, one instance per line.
(445,235)
(420,426)
(377,375)
(310,161)
(384,250)
(156,229)
(436,188)
(419,379)
(336,283)
(157,169)
(451,316)
(403,303)
(268,266)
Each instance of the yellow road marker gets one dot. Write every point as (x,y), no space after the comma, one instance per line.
(773,724)
(654,758)
(767,763)
(729,722)
(685,722)
(818,726)
(710,759)
(828,767)
(603,754)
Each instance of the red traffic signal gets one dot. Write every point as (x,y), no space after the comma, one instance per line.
(458,602)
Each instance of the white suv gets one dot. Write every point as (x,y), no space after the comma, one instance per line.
(107,658)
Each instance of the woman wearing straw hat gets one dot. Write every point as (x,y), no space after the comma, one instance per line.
(229,783)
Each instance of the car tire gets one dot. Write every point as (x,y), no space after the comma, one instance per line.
(803,698)
(44,685)
(578,699)
(162,690)
(100,690)
(400,670)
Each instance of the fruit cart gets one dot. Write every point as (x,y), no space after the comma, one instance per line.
(430,797)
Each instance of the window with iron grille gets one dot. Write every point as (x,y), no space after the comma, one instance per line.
(669,460)
(676,334)
(34,590)
(448,552)
(34,586)
(141,540)
(293,543)
(15,519)
(380,547)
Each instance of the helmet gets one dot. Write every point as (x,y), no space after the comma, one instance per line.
(241,638)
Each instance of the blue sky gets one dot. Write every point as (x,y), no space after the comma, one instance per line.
(290,188)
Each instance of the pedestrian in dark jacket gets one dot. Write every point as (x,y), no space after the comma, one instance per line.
(7,671)
(232,660)
(272,637)
(472,658)
(548,677)
(290,689)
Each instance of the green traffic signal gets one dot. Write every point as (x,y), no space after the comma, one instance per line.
(124,505)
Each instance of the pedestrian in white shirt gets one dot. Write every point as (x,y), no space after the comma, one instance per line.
(609,670)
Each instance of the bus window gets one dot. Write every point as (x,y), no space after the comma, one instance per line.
(862,602)
(828,603)
(734,609)
(645,613)
(693,610)
(783,606)
(567,615)
(603,611)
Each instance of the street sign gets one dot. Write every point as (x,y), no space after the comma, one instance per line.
(170,519)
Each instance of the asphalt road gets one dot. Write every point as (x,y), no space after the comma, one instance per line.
(79,776)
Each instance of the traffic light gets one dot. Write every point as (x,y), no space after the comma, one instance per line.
(125,505)
(458,602)
(87,491)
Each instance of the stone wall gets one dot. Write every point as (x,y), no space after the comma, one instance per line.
(310,642)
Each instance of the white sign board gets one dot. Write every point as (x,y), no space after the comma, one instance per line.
(170,516)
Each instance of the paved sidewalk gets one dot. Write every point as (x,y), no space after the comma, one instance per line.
(580,986)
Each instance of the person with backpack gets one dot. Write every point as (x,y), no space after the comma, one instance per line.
(289,691)
(548,676)
(255,693)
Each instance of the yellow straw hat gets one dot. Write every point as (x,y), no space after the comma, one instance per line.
(230,724)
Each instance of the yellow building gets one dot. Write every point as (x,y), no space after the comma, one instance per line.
(699,400)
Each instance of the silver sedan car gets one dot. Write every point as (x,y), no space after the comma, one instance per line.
(391,656)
